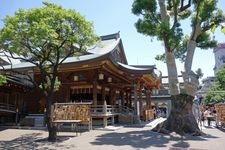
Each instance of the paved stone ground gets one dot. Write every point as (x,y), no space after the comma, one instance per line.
(126,138)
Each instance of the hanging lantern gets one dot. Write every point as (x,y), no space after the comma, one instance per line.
(75,78)
(109,79)
(101,76)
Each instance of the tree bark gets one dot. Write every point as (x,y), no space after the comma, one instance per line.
(189,57)
(196,30)
(181,119)
(170,58)
(163,10)
(172,74)
(190,80)
(52,129)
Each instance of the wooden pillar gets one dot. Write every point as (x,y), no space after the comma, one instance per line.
(122,97)
(103,93)
(95,92)
(114,97)
(130,99)
(7,98)
(148,99)
(68,94)
(111,96)
(127,98)
(136,105)
(135,100)
(140,99)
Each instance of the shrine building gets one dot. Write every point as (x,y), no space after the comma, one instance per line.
(100,76)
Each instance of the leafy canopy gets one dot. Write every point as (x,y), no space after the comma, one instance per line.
(199,73)
(203,12)
(45,31)
(217,92)
(45,37)
(2,80)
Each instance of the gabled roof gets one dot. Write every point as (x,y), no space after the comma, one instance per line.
(7,60)
(106,46)
(103,49)
(19,81)
(136,69)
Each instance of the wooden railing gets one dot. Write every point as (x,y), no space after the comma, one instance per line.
(125,110)
(104,109)
(110,109)
(4,107)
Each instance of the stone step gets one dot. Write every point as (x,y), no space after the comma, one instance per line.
(36,120)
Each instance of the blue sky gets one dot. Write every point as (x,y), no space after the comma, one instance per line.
(111,16)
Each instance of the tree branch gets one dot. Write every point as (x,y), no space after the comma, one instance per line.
(184,7)
(175,13)
(71,51)
(209,26)
(196,31)
(197,24)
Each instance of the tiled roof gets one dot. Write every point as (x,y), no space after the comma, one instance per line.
(99,49)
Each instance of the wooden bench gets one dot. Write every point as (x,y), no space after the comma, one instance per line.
(74,124)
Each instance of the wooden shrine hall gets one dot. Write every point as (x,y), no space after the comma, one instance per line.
(101,77)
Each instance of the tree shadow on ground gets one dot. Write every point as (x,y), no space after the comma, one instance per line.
(35,141)
(146,139)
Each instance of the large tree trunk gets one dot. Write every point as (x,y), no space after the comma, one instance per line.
(190,80)
(172,74)
(181,119)
(52,129)
(196,30)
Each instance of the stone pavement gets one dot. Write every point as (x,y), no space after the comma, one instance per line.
(126,138)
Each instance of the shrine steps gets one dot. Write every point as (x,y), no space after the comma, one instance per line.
(35,120)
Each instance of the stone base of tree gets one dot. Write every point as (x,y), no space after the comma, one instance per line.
(190,89)
(181,119)
(191,84)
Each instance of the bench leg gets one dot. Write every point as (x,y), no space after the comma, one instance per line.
(75,128)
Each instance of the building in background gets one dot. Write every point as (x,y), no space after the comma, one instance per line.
(206,86)
(219,53)
(161,98)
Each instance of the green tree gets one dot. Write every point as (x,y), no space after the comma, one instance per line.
(217,92)
(45,37)
(199,73)
(163,19)
(2,80)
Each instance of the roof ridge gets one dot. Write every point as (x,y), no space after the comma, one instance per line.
(111,36)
